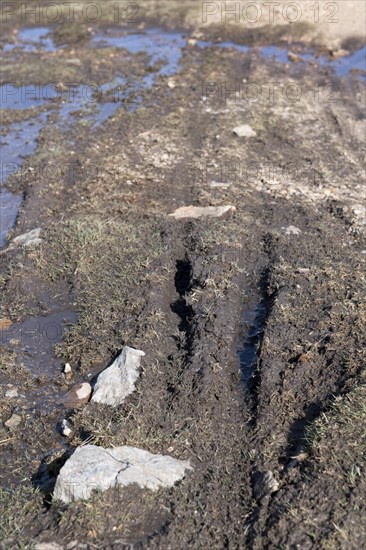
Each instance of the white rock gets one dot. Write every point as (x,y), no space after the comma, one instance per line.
(67,368)
(219,184)
(339,53)
(292,230)
(13,392)
(118,381)
(244,131)
(31,238)
(74,61)
(196,212)
(65,428)
(48,546)
(94,468)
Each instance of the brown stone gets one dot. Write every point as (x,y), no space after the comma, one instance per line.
(5,323)
(77,396)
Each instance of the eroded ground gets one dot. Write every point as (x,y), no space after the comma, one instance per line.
(253,325)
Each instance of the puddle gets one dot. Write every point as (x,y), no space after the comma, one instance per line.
(251,332)
(225,45)
(105,111)
(26,97)
(355,62)
(273,52)
(9,207)
(31,39)
(33,343)
(34,339)
(160,46)
(342,66)
(166,47)
(76,98)
(82,100)
(96,104)
(19,142)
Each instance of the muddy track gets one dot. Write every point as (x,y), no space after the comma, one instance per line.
(200,341)
(287,404)
(191,371)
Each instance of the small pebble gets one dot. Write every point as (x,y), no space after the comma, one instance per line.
(48,546)
(294,57)
(77,396)
(13,421)
(67,368)
(65,428)
(12,392)
(292,230)
(244,131)
(5,323)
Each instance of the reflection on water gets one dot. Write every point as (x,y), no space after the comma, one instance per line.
(160,46)
(9,207)
(26,96)
(34,339)
(355,62)
(252,328)
(19,142)
(31,39)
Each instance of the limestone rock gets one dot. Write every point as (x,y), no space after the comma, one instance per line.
(11,393)
(118,381)
(67,368)
(292,230)
(219,184)
(32,238)
(48,546)
(244,131)
(94,468)
(196,212)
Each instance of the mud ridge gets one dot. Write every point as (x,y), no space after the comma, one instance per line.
(297,434)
